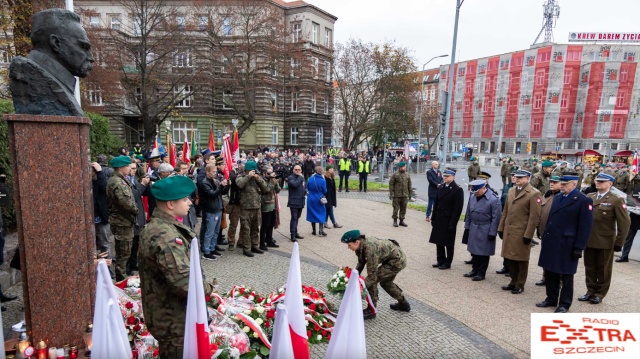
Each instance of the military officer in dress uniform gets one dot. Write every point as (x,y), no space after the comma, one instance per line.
(610,226)
(164,262)
(518,223)
(545,209)
(485,176)
(446,214)
(384,260)
(481,226)
(565,236)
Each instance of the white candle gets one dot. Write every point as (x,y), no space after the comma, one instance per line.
(52,353)
(60,353)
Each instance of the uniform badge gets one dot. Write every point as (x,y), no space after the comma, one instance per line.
(538,200)
(591,207)
(179,241)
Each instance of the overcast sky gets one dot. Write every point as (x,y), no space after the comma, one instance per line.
(486,27)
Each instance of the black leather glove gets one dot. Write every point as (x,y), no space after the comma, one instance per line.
(465,236)
(500,234)
(617,248)
(577,253)
(491,238)
(526,241)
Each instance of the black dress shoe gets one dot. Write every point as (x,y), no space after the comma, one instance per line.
(264,248)
(561,310)
(477,278)
(444,266)
(540,282)
(584,298)
(436,265)
(622,260)
(273,245)
(502,271)
(299,236)
(469,261)
(545,303)
(471,274)
(595,300)
(517,290)
(508,287)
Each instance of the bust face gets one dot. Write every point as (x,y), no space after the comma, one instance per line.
(74,50)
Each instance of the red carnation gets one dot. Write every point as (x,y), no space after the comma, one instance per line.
(308,334)
(267,324)
(312,306)
(136,328)
(156,352)
(131,320)
(326,310)
(129,305)
(213,348)
(316,327)
(329,337)
(241,290)
(271,314)
(324,333)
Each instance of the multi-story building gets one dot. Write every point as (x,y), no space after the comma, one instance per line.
(565,98)
(292,103)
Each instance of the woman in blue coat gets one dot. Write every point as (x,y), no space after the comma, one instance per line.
(316,210)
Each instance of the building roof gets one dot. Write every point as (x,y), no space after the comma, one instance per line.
(430,75)
(299,3)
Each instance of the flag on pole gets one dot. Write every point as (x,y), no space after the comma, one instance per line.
(281,347)
(186,152)
(159,145)
(196,325)
(194,145)
(348,339)
(236,147)
(172,158)
(295,307)
(226,155)
(109,335)
(212,142)
(635,162)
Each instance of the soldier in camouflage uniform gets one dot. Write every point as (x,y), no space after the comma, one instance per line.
(534,167)
(635,182)
(474,169)
(399,193)
(505,171)
(251,186)
(622,180)
(384,260)
(164,263)
(540,180)
(122,212)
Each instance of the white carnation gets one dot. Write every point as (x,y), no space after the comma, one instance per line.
(255,334)
(319,337)
(251,297)
(246,329)
(259,321)
(247,312)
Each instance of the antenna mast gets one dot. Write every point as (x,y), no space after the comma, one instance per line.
(551,12)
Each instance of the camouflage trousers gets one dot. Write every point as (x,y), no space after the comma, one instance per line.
(123,237)
(234,219)
(169,351)
(249,229)
(399,205)
(386,276)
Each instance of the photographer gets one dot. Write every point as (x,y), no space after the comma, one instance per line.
(211,196)
(269,209)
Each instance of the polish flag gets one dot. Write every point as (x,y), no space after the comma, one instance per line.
(635,162)
(348,338)
(196,328)
(227,156)
(281,345)
(185,150)
(295,307)
(109,334)
(236,147)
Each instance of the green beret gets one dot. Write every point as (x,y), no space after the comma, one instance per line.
(402,164)
(554,179)
(250,166)
(547,163)
(173,188)
(472,158)
(328,167)
(350,236)
(120,161)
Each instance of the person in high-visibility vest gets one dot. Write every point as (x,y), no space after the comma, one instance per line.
(344,169)
(363,170)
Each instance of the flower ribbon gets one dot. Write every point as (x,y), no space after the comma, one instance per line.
(251,323)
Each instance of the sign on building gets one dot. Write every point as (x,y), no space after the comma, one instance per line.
(604,37)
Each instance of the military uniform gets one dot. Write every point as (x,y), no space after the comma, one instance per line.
(399,193)
(473,171)
(250,205)
(622,181)
(540,181)
(122,217)
(505,172)
(384,260)
(610,226)
(635,183)
(534,168)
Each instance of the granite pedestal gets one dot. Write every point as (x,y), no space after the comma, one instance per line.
(54,207)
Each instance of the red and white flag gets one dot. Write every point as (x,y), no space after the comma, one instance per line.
(281,345)
(635,162)
(236,148)
(348,338)
(186,151)
(227,156)
(295,307)
(196,325)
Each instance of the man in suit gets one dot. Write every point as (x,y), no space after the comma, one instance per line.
(446,214)
(610,227)
(520,218)
(295,201)
(434,176)
(565,235)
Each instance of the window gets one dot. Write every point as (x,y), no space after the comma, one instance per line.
(467,106)
(274,135)
(620,98)
(314,103)
(616,127)
(5,56)
(227,27)
(182,95)
(225,61)
(180,22)
(540,77)
(469,86)
(203,22)
(314,67)
(183,131)
(137,26)
(326,104)
(537,125)
(544,57)
(562,124)
(296,31)
(140,132)
(564,102)
(94,20)
(315,29)
(596,146)
(519,61)
(319,136)
(432,93)
(515,80)
(574,55)
(327,71)
(294,101)
(295,67)
(294,136)
(567,76)
(488,105)
(537,101)
(328,38)
(624,75)
(227,99)
(94,94)
(138,94)
(182,58)
(274,101)
(115,22)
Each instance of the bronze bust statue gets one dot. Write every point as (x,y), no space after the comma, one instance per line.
(43,82)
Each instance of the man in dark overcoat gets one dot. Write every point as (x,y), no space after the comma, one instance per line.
(446,213)
(296,200)
(434,176)
(565,237)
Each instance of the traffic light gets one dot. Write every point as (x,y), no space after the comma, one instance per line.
(529,147)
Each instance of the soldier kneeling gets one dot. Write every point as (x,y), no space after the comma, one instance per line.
(384,260)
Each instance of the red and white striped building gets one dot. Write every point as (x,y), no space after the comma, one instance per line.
(554,96)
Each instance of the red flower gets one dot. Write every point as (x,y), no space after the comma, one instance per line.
(213,348)
(324,333)
(312,306)
(129,305)
(329,337)
(136,328)
(308,334)
(156,352)
(241,290)
(131,320)
(267,324)
(326,310)
(271,314)
(316,327)
(259,299)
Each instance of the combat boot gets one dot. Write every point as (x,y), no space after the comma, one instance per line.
(401,306)
(395,222)
(368,314)
(402,223)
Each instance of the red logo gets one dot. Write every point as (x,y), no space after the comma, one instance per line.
(179,241)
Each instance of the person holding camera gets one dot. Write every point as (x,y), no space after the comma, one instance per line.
(251,184)
(211,196)
(269,208)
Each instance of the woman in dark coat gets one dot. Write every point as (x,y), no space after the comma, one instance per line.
(316,210)
(332,201)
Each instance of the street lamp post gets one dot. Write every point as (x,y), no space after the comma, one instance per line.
(420,114)
(445,128)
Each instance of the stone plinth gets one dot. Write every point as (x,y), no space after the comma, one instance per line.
(54,207)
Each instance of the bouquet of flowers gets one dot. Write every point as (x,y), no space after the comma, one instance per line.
(131,310)
(338,283)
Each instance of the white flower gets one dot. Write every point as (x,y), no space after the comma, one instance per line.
(251,297)
(319,337)
(247,312)
(246,329)
(306,323)
(341,274)
(259,309)
(255,334)
(259,321)
(268,300)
